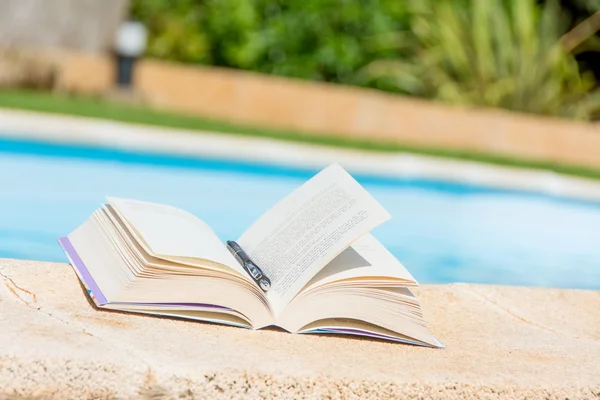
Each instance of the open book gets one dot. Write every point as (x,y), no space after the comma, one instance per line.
(328,273)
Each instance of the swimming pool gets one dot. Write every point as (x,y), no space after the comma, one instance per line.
(442,232)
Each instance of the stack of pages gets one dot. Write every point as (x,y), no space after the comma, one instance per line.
(328,274)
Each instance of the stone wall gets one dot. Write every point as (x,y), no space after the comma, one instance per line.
(84,25)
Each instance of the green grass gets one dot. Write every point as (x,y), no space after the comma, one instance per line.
(95,108)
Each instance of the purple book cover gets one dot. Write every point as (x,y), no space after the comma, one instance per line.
(82,272)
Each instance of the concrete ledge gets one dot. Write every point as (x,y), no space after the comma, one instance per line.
(502,342)
(77,130)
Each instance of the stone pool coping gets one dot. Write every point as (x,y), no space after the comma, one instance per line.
(502,343)
(68,129)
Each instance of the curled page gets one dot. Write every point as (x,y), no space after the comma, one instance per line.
(303,232)
(367,259)
(166,231)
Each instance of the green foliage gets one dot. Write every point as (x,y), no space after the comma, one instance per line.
(175,29)
(589,5)
(493,53)
(314,39)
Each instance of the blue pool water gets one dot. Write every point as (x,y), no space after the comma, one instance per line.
(442,232)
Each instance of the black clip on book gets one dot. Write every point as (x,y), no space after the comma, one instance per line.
(253,270)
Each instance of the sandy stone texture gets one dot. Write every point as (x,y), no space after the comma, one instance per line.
(502,343)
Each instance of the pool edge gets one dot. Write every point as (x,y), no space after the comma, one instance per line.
(126,136)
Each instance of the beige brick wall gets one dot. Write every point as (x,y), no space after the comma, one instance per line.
(344,111)
(84,73)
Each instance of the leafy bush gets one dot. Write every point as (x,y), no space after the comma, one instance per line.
(175,29)
(314,39)
(489,53)
(495,53)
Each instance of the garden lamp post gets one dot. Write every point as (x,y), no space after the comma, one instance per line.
(130,44)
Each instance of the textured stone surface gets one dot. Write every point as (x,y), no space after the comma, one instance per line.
(502,342)
(85,25)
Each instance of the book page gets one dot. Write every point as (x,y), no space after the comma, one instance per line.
(170,232)
(366,260)
(298,236)
(347,326)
